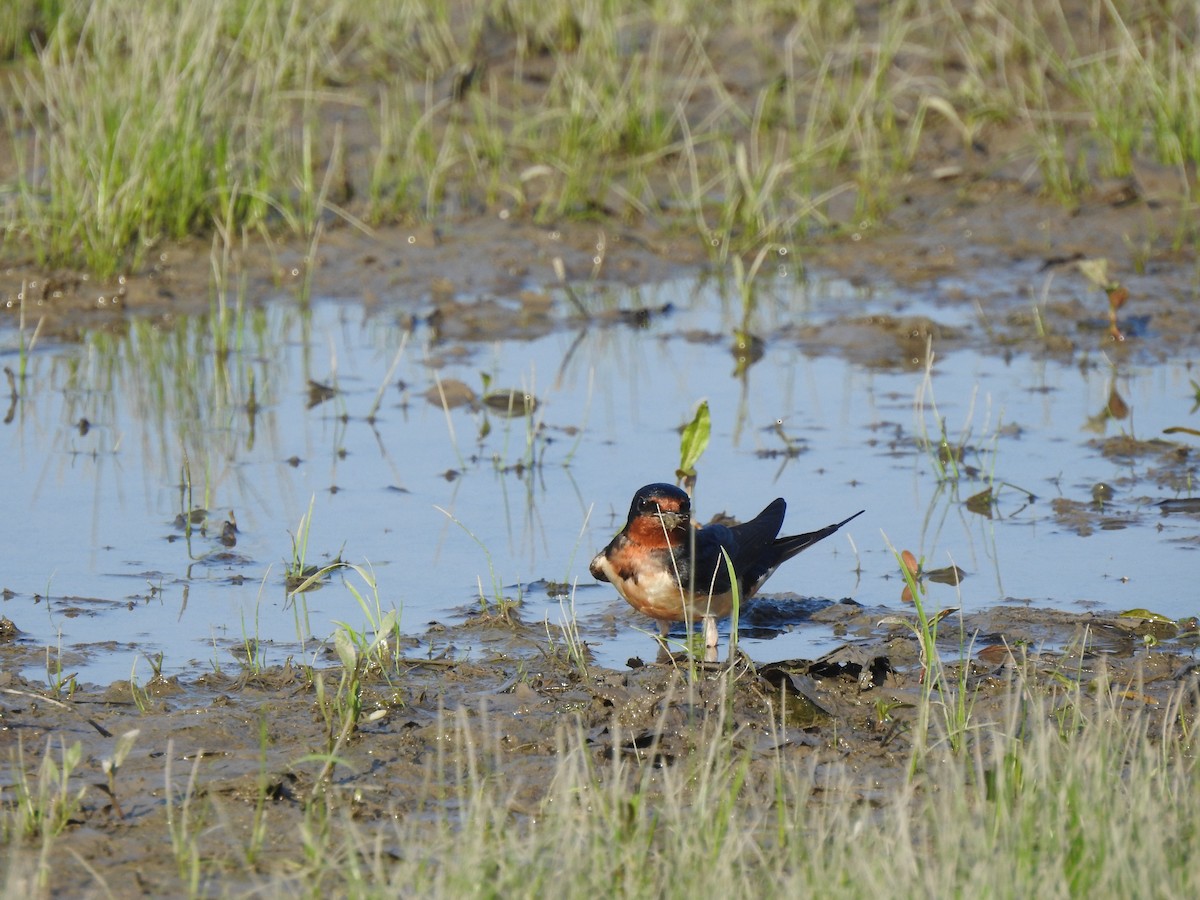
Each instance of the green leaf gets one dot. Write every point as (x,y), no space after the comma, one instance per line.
(1152,617)
(694,441)
(346,650)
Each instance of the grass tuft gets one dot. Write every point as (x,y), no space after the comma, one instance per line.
(761,126)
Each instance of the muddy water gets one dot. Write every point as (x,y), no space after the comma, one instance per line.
(247,421)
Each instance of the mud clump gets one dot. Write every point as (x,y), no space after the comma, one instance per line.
(880,341)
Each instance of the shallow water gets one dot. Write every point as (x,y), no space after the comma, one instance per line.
(444,507)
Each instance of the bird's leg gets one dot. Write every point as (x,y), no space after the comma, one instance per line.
(664,651)
(710,638)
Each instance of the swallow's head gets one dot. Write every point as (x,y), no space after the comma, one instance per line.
(658,513)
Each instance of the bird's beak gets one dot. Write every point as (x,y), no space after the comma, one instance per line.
(672,520)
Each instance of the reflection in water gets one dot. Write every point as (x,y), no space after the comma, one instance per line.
(132,455)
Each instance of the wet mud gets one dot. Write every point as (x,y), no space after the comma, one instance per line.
(236,745)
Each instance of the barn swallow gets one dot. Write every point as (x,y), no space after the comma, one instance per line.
(673,571)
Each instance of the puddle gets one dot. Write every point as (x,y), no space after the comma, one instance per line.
(117,435)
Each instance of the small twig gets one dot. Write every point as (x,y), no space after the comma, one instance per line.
(104,732)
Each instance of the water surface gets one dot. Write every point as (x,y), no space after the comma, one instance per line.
(261,415)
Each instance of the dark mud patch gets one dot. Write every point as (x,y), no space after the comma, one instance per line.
(881,341)
(241,748)
(1169,465)
(464,279)
(1085,518)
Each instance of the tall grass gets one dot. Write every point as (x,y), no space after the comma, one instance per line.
(144,121)
(746,123)
(23,24)
(1068,792)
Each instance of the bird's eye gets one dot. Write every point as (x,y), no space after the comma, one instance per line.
(648,506)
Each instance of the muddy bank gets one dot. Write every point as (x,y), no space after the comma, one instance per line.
(968,238)
(235,750)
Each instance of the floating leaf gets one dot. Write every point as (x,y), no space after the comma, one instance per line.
(450,393)
(510,402)
(318,393)
(910,562)
(1149,624)
(1148,616)
(982,502)
(948,575)
(193,517)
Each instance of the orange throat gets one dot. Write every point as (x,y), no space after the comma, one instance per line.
(648,532)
